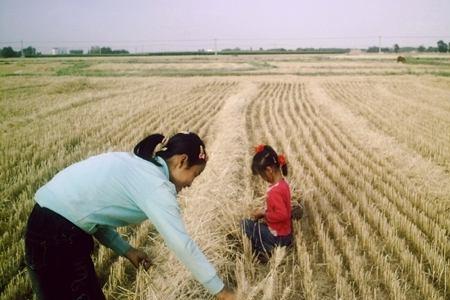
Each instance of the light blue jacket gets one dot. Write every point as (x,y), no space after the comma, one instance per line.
(116,189)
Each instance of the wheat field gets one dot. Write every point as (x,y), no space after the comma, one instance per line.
(367,142)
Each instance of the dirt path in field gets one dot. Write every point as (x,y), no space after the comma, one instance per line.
(223,187)
(211,207)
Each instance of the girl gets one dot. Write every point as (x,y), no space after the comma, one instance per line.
(271,226)
(94,196)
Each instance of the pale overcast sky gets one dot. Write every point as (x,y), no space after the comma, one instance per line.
(192,24)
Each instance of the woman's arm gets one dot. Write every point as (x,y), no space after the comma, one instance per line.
(163,211)
(109,237)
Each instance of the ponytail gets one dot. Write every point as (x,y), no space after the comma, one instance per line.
(145,148)
(187,143)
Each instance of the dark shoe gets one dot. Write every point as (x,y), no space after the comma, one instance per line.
(262,258)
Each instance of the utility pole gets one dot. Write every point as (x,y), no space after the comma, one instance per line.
(21,48)
(379,44)
(215,47)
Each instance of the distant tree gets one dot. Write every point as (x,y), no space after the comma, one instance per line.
(277,50)
(105,50)
(396,48)
(373,49)
(9,52)
(120,51)
(431,49)
(448,46)
(442,47)
(407,49)
(94,50)
(421,48)
(76,52)
(29,51)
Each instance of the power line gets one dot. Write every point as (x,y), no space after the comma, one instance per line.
(151,41)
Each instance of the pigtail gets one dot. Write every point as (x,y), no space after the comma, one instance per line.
(283,164)
(284,170)
(145,148)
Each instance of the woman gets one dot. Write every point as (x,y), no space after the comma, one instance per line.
(94,196)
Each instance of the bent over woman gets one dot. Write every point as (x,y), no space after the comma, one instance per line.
(96,195)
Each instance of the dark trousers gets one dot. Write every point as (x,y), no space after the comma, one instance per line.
(263,241)
(58,258)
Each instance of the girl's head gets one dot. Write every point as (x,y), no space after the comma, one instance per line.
(184,154)
(268,164)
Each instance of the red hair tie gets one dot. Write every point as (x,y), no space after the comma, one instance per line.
(281,159)
(259,148)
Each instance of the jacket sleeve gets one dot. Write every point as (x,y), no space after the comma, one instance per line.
(164,212)
(276,209)
(109,237)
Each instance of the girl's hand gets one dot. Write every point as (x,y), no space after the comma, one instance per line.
(258,214)
(138,257)
(226,294)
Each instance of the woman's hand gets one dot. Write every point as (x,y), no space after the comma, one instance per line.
(226,294)
(258,214)
(138,257)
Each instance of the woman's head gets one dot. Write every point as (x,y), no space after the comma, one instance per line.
(266,162)
(184,154)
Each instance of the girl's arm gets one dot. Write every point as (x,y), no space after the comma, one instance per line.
(258,213)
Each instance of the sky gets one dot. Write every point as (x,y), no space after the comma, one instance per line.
(172,25)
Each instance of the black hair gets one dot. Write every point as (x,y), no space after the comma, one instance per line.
(266,157)
(187,143)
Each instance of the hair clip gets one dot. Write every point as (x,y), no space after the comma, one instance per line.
(259,148)
(162,146)
(202,155)
(281,159)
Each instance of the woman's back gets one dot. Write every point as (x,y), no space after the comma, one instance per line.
(107,189)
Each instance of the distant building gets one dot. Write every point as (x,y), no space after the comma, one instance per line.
(58,51)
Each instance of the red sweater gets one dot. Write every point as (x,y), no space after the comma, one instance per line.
(278,210)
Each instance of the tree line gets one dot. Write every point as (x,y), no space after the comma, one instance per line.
(30,51)
(442,47)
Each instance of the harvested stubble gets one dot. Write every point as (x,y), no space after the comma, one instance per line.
(377,198)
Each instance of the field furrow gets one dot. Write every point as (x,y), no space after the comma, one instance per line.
(367,145)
